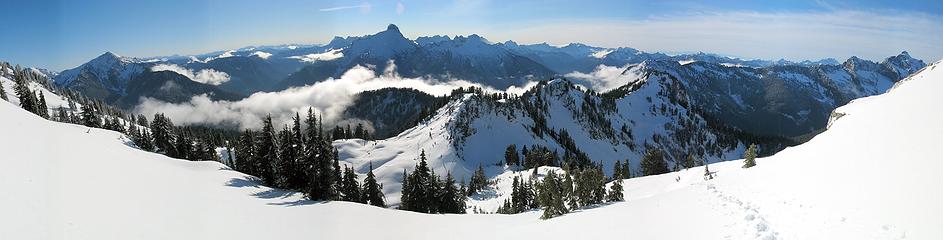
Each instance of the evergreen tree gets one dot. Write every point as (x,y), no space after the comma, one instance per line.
(749,157)
(161,128)
(90,117)
(450,199)
(360,132)
(551,196)
(350,188)
(338,133)
(266,152)
(23,93)
(318,154)
(245,150)
(230,161)
(3,92)
(336,172)
(372,191)
(406,192)
(292,162)
(420,189)
(478,181)
(144,141)
(42,109)
(617,170)
(511,157)
(183,147)
(615,192)
(288,154)
(653,163)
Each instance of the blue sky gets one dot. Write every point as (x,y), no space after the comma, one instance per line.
(63,34)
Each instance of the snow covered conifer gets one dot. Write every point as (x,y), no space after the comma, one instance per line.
(749,157)
(41,109)
(372,191)
(350,188)
(653,163)
(24,94)
(245,151)
(451,200)
(90,116)
(266,151)
(478,181)
(161,128)
(3,93)
(615,192)
(552,196)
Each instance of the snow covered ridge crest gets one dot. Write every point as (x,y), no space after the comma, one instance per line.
(839,113)
(579,124)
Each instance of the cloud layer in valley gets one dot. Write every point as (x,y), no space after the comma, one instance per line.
(605,78)
(206,76)
(328,98)
(325,56)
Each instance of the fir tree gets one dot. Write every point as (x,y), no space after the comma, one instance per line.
(183,147)
(90,117)
(653,163)
(161,128)
(749,157)
(3,92)
(420,189)
(478,181)
(266,152)
(450,199)
(23,93)
(511,157)
(245,152)
(42,109)
(318,159)
(144,141)
(293,150)
(372,191)
(284,165)
(406,192)
(552,196)
(617,170)
(336,172)
(615,192)
(350,188)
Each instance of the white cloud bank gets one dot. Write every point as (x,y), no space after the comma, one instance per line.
(261,54)
(206,76)
(329,98)
(325,56)
(605,78)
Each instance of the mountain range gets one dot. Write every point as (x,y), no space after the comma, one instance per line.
(760,97)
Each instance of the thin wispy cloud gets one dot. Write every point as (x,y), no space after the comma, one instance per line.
(400,8)
(364,8)
(790,35)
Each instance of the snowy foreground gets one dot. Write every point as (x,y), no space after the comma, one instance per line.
(874,174)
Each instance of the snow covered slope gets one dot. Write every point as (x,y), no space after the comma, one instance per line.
(854,181)
(475,128)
